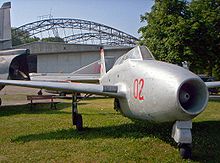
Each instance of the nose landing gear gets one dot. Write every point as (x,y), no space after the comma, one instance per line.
(181,133)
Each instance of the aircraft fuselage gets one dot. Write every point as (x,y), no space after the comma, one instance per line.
(155,89)
(13,64)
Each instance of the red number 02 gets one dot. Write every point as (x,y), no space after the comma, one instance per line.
(138,87)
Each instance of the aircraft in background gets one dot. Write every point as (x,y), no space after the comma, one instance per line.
(13,62)
(88,74)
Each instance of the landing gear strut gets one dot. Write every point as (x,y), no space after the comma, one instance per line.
(181,133)
(76,118)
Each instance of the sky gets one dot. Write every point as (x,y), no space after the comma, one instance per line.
(120,14)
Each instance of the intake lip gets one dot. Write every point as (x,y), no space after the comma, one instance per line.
(192,96)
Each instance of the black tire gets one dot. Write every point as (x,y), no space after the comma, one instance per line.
(79,122)
(185,151)
(0,102)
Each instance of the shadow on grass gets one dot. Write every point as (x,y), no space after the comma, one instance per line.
(95,98)
(131,130)
(206,136)
(206,141)
(37,109)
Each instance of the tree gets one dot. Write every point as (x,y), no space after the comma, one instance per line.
(205,33)
(178,31)
(52,39)
(22,37)
(164,32)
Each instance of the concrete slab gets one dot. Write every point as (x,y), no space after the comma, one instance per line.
(13,95)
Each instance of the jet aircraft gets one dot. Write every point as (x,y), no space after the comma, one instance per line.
(144,89)
(88,74)
(13,62)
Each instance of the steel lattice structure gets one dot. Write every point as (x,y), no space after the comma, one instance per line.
(76,31)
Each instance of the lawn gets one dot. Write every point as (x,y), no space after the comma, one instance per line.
(44,135)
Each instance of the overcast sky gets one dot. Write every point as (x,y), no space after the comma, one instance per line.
(120,14)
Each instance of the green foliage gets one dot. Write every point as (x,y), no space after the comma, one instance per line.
(20,37)
(18,34)
(164,32)
(179,30)
(52,39)
(205,35)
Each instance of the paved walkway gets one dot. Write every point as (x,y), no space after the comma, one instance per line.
(13,95)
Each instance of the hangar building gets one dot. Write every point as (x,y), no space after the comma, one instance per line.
(65,58)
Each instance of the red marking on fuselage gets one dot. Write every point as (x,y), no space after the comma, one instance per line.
(138,88)
(101,68)
(102,52)
(141,83)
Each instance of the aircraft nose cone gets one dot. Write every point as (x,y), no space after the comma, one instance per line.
(184,97)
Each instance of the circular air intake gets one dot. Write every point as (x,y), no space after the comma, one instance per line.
(193,96)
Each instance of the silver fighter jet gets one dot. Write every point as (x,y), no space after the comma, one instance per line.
(144,89)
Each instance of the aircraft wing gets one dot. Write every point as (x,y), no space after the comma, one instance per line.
(108,90)
(213,84)
(59,77)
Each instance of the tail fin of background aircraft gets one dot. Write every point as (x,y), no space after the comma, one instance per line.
(92,68)
(102,63)
(5,26)
(97,67)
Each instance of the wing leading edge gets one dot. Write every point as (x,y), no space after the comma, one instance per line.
(107,90)
(58,77)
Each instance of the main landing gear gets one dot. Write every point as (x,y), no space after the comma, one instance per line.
(181,133)
(76,118)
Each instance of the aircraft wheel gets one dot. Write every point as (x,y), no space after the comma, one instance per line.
(185,151)
(62,94)
(79,122)
(0,101)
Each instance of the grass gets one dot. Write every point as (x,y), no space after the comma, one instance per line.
(44,135)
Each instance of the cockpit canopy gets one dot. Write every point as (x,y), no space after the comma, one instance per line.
(137,53)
